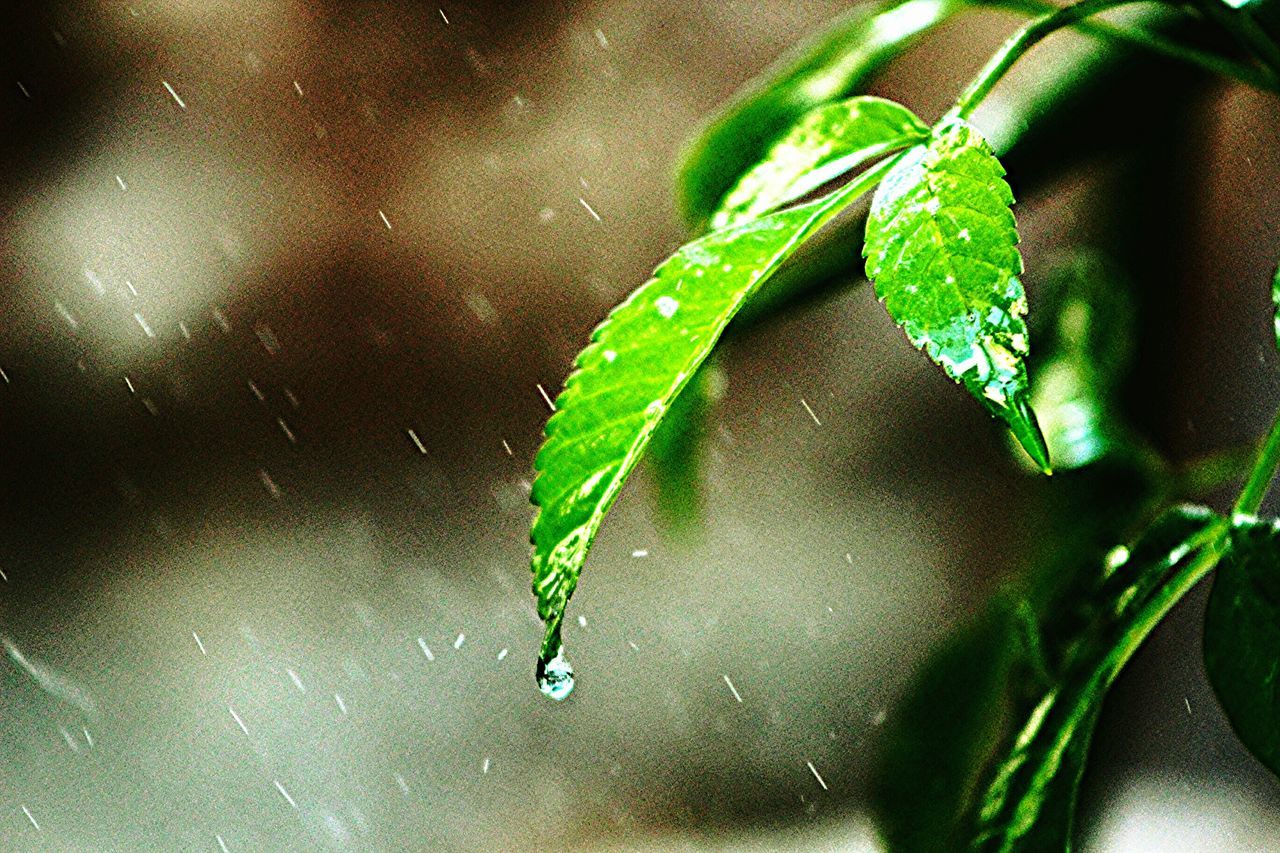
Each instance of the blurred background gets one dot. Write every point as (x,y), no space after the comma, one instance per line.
(280,282)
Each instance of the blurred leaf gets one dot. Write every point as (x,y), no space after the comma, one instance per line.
(1084,329)
(929,769)
(824,144)
(1029,804)
(676,450)
(1242,637)
(942,250)
(827,68)
(623,383)
(994,669)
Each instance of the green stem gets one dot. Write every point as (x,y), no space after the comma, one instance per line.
(1264,471)
(1240,23)
(1019,43)
(1215,63)
(1213,544)
(1208,548)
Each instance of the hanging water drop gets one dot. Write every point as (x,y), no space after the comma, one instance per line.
(555,676)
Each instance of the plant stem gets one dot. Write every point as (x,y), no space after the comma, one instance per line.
(1258,78)
(1240,23)
(1209,547)
(1263,472)
(1019,43)
(1213,543)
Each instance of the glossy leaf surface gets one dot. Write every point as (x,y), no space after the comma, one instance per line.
(942,249)
(825,144)
(1275,303)
(640,358)
(831,66)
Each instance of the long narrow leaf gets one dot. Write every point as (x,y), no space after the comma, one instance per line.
(833,65)
(826,143)
(640,358)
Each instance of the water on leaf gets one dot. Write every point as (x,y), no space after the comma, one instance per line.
(555,676)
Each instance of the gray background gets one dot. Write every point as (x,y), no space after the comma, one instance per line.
(150,488)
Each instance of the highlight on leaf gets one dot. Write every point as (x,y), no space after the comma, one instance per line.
(624,382)
(825,144)
(1275,304)
(831,66)
(1030,802)
(942,250)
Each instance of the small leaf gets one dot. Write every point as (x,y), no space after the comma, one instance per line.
(1084,328)
(1029,805)
(942,249)
(833,65)
(640,358)
(826,143)
(1242,637)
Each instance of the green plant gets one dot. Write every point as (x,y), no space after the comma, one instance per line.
(941,247)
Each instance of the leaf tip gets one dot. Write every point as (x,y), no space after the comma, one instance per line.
(1021,419)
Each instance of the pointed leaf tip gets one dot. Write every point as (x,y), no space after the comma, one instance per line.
(1021,419)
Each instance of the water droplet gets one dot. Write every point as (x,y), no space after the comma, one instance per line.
(555,676)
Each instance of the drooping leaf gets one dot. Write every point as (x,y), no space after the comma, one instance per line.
(831,66)
(1242,637)
(1084,333)
(827,142)
(640,358)
(1029,804)
(1038,125)
(942,249)
(824,144)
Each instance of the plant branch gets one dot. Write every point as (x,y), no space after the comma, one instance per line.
(1019,43)
(1263,472)
(1240,23)
(1258,78)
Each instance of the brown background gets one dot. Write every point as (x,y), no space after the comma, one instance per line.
(149,491)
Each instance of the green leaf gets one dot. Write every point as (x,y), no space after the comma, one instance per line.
(833,65)
(823,145)
(1084,328)
(942,249)
(826,143)
(624,382)
(1028,806)
(1242,637)
(992,670)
